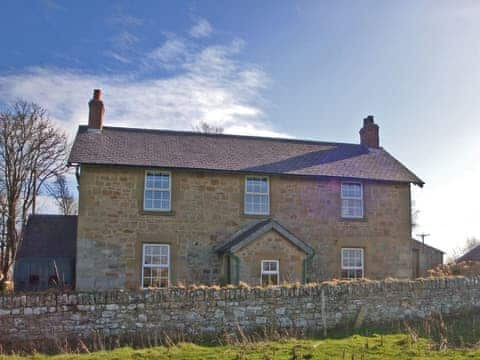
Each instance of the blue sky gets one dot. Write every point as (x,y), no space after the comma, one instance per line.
(306,69)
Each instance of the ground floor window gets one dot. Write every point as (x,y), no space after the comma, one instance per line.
(270,272)
(155,265)
(352,263)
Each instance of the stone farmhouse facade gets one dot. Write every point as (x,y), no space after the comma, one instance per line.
(159,208)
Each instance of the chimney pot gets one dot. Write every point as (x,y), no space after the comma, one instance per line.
(96,111)
(368,120)
(97,94)
(369,133)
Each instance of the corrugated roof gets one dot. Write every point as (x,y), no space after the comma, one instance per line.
(193,150)
(49,236)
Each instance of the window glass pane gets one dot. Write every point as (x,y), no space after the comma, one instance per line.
(256,196)
(269,279)
(352,208)
(165,204)
(358,261)
(163,260)
(148,249)
(257,204)
(149,194)
(352,263)
(255,185)
(352,190)
(157,191)
(156,265)
(158,181)
(155,199)
(148,259)
(150,180)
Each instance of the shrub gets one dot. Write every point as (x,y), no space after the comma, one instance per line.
(463,268)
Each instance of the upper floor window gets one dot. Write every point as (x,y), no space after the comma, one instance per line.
(157,194)
(270,272)
(257,195)
(155,265)
(352,200)
(352,263)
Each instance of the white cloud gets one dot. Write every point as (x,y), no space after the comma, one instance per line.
(202,28)
(210,86)
(173,51)
(124,40)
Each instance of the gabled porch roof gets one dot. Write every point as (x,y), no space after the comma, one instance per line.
(254,230)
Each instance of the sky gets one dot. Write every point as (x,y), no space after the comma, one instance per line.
(303,69)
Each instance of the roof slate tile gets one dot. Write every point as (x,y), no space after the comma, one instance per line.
(248,154)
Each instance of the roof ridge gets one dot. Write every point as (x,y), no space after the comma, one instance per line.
(196,133)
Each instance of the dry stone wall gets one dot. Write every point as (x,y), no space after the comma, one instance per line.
(211,312)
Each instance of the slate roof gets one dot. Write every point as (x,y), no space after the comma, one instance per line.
(472,255)
(49,236)
(418,244)
(248,154)
(254,230)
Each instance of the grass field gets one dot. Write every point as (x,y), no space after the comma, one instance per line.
(400,346)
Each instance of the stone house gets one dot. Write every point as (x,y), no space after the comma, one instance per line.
(159,208)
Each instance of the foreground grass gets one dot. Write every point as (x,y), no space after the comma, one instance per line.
(355,347)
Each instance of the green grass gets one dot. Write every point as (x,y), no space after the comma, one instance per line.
(398,347)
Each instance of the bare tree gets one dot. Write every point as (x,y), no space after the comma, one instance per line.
(208,129)
(468,245)
(32,151)
(3,224)
(64,198)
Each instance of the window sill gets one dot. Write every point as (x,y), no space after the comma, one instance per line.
(157,213)
(256,216)
(353,219)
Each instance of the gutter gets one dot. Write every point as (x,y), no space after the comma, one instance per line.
(234,279)
(306,263)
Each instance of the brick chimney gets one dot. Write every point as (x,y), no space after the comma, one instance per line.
(95,116)
(369,133)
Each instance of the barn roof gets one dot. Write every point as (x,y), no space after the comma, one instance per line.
(49,236)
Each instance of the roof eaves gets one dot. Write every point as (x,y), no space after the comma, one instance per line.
(429,246)
(417,181)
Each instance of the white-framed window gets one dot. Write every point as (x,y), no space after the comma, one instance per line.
(270,272)
(157,194)
(352,263)
(257,195)
(155,265)
(352,200)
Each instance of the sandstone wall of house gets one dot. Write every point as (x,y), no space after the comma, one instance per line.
(207,207)
(211,312)
(270,246)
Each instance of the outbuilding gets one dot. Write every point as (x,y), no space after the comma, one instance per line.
(46,256)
